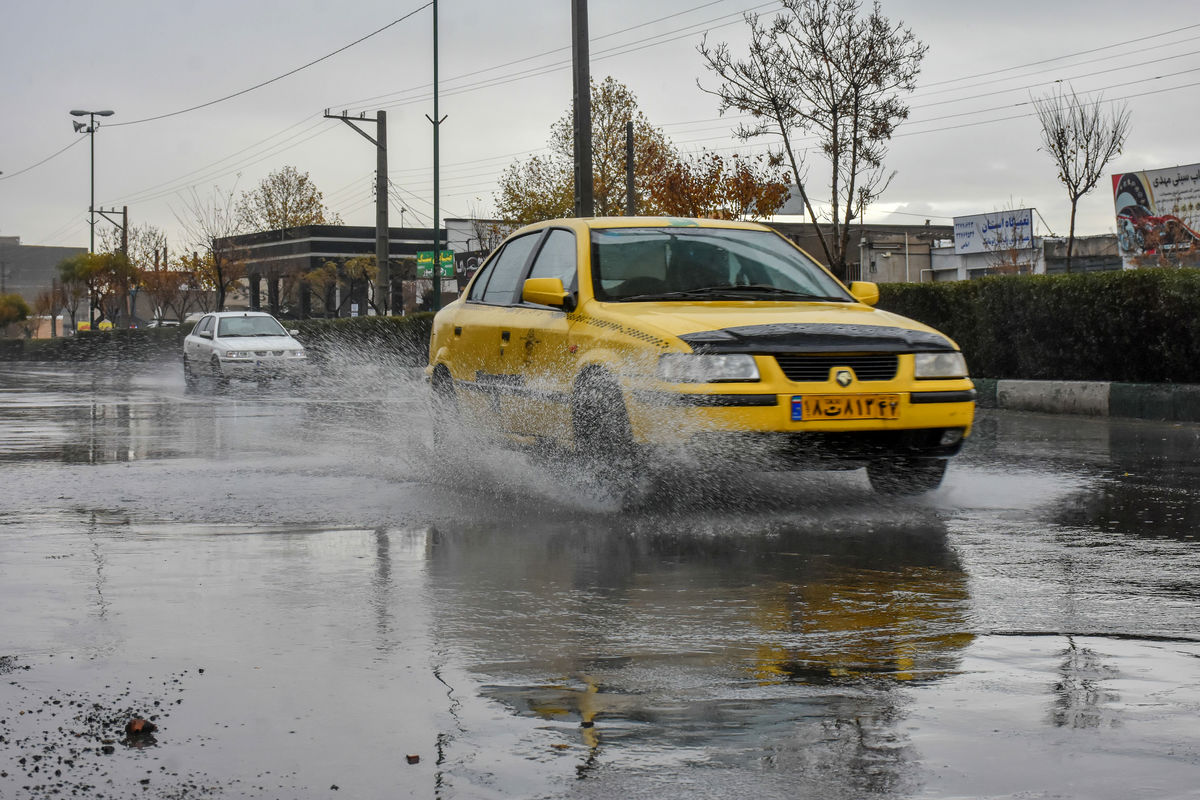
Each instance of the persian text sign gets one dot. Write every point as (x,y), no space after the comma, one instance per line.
(1158,215)
(425,264)
(990,233)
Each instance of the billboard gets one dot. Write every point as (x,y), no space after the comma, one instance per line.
(991,233)
(1158,214)
(425,264)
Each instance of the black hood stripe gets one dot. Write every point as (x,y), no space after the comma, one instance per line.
(795,337)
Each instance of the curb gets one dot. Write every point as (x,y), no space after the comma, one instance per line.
(1168,402)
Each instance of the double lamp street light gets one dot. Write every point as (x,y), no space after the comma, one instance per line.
(90,130)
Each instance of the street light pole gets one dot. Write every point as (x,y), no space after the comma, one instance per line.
(90,130)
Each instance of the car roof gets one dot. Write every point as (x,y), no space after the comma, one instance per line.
(239,314)
(593,223)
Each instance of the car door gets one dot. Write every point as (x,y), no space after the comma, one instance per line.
(537,347)
(482,331)
(198,346)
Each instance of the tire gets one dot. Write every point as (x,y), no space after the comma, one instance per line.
(219,382)
(443,411)
(190,382)
(906,476)
(604,438)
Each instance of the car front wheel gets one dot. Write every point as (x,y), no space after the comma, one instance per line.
(189,377)
(443,410)
(219,381)
(604,438)
(906,476)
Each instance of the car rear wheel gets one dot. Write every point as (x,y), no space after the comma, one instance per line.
(906,476)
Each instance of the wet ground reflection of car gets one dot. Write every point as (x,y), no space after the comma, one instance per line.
(790,638)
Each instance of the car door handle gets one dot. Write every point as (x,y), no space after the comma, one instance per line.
(504,335)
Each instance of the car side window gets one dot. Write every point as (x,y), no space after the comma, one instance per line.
(507,269)
(557,259)
(481,280)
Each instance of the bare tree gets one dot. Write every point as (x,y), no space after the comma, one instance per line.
(822,67)
(1081,136)
(205,222)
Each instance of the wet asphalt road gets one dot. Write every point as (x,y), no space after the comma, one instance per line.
(300,601)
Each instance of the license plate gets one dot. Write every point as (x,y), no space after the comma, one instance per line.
(811,407)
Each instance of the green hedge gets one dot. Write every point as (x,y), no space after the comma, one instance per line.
(1135,326)
(404,339)
(140,344)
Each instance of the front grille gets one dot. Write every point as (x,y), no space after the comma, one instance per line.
(802,367)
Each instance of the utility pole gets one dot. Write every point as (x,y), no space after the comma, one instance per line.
(437,215)
(131,298)
(630,197)
(123,224)
(585,201)
(382,264)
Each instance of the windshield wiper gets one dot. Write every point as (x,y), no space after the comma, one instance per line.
(763,288)
(737,292)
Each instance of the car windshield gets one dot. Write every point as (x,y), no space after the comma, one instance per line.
(664,264)
(249,326)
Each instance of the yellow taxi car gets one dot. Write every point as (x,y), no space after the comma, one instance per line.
(621,338)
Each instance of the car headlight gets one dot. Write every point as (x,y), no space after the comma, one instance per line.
(706,368)
(237,354)
(940,365)
(295,354)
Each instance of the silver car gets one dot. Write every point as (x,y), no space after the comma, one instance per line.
(241,344)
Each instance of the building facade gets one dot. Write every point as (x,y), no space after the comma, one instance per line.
(29,270)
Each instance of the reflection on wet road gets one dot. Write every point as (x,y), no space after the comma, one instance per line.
(303,599)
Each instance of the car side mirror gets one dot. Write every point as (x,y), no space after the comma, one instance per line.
(204,334)
(294,332)
(547,292)
(865,292)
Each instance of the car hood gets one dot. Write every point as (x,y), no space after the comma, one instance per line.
(260,343)
(770,327)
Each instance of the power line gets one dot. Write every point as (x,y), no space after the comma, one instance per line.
(556,50)
(1106,58)
(210,165)
(534,72)
(649,42)
(1066,56)
(44,160)
(278,148)
(1026,115)
(1073,78)
(278,77)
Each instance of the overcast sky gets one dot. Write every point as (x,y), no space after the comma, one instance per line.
(970,145)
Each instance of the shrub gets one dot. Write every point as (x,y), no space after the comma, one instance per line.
(1136,326)
(406,339)
(403,339)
